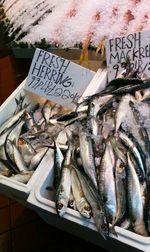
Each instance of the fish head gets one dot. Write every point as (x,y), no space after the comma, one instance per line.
(102,224)
(86,211)
(61,207)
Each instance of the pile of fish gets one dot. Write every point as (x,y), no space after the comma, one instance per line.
(101,152)
(102,156)
(24,138)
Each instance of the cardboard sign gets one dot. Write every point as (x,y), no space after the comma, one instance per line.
(57,79)
(135,47)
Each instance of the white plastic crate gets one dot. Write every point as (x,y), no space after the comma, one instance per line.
(42,201)
(8,186)
(17,189)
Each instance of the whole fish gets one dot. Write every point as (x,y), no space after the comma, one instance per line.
(26,150)
(128,89)
(17,157)
(10,121)
(87,153)
(107,181)
(22,177)
(15,132)
(58,160)
(136,209)
(119,149)
(81,202)
(37,158)
(123,111)
(64,188)
(132,147)
(96,203)
(72,202)
(120,186)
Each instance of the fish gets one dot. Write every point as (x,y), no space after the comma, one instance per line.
(64,188)
(37,158)
(107,181)
(58,161)
(129,89)
(17,157)
(19,103)
(123,111)
(15,132)
(134,150)
(136,209)
(26,149)
(22,177)
(10,121)
(82,204)
(46,110)
(120,188)
(87,153)
(96,203)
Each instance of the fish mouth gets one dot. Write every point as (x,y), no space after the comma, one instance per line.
(86,214)
(61,209)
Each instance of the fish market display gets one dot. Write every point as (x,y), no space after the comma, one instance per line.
(25,138)
(102,157)
(101,152)
(70,23)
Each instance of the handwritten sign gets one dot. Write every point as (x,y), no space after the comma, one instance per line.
(134,46)
(57,79)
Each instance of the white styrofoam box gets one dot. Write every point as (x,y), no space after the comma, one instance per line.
(43,202)
(8,186)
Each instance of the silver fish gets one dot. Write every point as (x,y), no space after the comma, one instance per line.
(107,181)
(15,132)
(123,111)
(64,188)
(58,160)
(120,185)
(98,210)
(22,177)
(87,153)
(132,147)
(136,209)
(26,150)
(72,202)
(36,159)
(4,136)
(12,120)
(46,111)
(81,202)
(19,161)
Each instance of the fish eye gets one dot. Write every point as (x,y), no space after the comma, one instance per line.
(121,165)
(87,208)
(59,206)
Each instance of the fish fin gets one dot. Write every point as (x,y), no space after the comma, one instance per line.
(17,102)
(25,106)
(113,231)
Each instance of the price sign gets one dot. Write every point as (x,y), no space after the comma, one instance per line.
(134,47)
(57,79)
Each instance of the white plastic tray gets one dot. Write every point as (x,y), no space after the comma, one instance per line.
(42,201)
(9,187)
